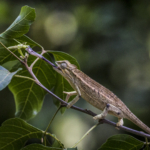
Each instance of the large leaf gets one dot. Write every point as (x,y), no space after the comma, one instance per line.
(5,77)
(21,25)
(122,142)
(5,55)
(39,147)
(9,65)
(28,41)
(62,84)
(29,96)
(15,33)
(15,132)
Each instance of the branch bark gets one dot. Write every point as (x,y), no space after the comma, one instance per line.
(63,103)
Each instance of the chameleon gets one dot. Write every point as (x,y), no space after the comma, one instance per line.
(96,94)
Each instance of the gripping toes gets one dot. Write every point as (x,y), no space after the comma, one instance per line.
(120,122)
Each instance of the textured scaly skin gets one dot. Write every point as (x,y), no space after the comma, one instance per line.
(96,94)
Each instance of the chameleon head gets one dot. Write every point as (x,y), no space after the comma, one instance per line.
(65,68)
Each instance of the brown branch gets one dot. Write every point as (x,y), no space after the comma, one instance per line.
(63,103)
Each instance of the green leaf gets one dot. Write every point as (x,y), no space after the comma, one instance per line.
(56,142)
(15,132)
(29,96)
(10,64)
(61,83)
(5,55)
(5,77)
(21,25)
(15,33)
(122,142)
(28,41)
(39,147)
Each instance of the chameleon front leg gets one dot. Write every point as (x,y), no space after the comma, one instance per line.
(111,109)
(69,94)
(78,93)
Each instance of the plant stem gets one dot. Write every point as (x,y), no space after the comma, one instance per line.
(147,144)
(31,66)
(50,124)
(85,135)
(19,76)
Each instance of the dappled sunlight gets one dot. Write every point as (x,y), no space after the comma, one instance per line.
(61,27)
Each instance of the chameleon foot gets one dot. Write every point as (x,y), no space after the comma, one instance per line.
(119,123)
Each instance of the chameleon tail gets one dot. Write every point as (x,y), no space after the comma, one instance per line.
(138,122)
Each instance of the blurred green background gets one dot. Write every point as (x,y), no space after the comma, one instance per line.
(110,40)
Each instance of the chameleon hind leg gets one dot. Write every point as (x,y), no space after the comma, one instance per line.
(113,110)
(103,114)
(120,122)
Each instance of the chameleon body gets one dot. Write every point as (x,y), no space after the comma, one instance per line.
(96,94)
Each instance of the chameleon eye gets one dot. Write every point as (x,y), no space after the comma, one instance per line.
(63,65)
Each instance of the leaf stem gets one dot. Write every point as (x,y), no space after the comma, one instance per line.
(85,135)
(53,136)
(19,76)
(50,124)
(147,144)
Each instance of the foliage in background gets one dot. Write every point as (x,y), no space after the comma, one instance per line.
(32,113)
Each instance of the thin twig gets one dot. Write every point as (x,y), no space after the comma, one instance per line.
(31,66)
(25,77)
(32,74)
(93,127)
(49,125)
(147,144)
